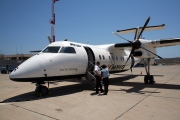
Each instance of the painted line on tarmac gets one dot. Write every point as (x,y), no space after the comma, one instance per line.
(35,112)
(146,96)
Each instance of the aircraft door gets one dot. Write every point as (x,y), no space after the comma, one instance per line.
(90,67)
(91,59)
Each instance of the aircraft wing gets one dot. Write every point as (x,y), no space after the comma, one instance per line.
(154,43)
(166,42)
(133,30)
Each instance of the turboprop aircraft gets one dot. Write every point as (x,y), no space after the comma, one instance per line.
(66,59)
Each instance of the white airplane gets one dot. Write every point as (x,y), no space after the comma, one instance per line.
(66,59)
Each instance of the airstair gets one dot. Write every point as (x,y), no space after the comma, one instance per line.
(90,78)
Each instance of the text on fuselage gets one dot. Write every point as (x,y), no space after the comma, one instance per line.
(69,69)
(117,67)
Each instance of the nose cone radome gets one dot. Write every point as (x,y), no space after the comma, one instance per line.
(28,69)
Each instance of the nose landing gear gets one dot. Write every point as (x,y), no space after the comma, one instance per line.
(40,89)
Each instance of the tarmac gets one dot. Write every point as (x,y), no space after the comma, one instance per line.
(128,98)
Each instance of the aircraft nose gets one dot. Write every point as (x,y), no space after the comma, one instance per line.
(23,72)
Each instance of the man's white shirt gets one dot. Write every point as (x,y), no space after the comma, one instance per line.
(96,68)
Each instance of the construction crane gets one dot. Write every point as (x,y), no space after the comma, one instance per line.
(52,21)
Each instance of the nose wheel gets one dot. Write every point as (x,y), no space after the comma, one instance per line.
(41,90)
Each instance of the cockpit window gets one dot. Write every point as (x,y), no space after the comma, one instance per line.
(51,49)
(67,50)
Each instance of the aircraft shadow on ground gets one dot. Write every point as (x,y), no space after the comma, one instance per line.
(57,91)
(138,87)
(84,85)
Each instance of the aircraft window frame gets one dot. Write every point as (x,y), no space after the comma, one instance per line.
(112,57)
(122,58)
(103,57)
(51,49)
(68,49)
(99,57)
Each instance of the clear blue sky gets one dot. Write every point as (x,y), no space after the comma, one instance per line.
(24,24)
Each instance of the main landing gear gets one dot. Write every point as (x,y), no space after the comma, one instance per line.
(40,89)
(148,79)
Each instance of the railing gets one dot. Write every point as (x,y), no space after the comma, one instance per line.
(91,78)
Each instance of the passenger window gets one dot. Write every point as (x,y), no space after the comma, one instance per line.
(67,50)
(99,57)
(112,57)
(122,58)
(52,49)
(103,57)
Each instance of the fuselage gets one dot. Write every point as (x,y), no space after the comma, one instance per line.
(65,59)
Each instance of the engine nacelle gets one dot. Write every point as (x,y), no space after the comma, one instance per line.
(141,53)
(137,54)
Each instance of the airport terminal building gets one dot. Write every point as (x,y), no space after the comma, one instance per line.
(13,60)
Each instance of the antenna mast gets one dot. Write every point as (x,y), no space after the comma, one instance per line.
(53,21)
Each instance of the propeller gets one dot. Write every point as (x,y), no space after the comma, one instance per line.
(147,21)
(121,37)
(135,36)
(136,44)
(151,52)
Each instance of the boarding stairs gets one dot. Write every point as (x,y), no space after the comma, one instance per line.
(90,77)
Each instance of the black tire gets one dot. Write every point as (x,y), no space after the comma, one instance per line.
(44,90)
(151,79)
(37,89)
(146,79)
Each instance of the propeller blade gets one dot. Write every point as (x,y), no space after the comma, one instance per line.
(121,37)
(131,68)
(151,52)
(135,36)
(147,21)
(132,51)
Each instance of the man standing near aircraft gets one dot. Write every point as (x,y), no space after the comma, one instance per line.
(105,75)
(97,72)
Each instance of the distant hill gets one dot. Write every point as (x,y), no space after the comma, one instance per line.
(168,61)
